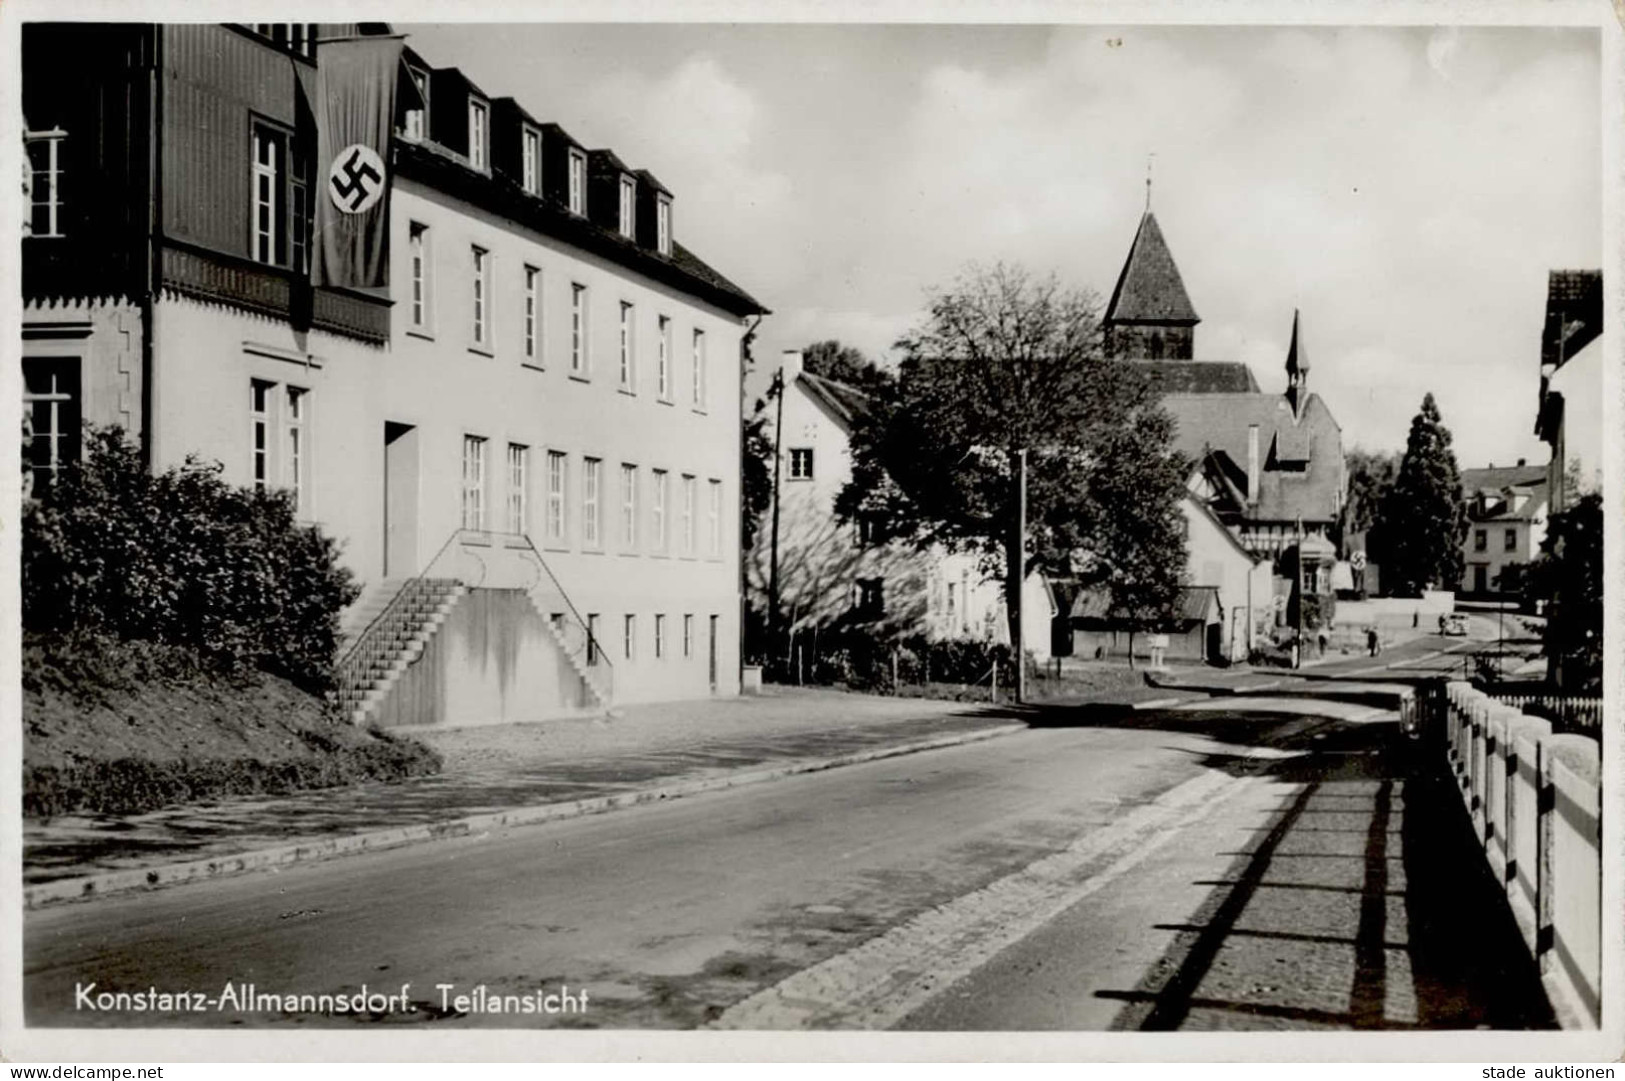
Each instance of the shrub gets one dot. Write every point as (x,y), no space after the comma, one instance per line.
(182,558)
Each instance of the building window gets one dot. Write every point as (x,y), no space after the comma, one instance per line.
(591,475)
(578,182)
(295,441)
(689,490)
(629,635)
(474,482)
(482,296)
(713,518)
(629,506)
(628,344)
(1481,540)
(533,287)
(801,463)
(531,161)
(663,362)
(555,495)
(417,244)
(871,597)
(268,153)
(476,133)
(51,397)
(699,369)
(578,329)
(44,176)
(660,635)
(295,37)
(518,488)
(663,225)
(629,204)
(1510,541)
(414,117)
(657,515)
(688,636)
(592,638)
(259,414)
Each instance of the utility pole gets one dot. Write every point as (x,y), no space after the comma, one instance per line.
(1297,641)
(773,557)
(1016,574)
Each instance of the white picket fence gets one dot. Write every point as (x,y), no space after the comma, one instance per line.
(1579,714)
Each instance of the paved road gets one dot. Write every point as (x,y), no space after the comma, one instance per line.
(1254,862)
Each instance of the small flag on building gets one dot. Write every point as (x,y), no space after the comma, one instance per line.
(354,107)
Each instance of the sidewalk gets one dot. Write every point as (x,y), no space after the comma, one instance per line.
(513,772)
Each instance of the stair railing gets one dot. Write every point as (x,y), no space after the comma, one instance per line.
(589,651)
(348,670)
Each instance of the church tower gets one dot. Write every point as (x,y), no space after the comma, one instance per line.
(1297,370)
(1150,316)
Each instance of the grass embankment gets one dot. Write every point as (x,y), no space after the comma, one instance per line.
(124,727)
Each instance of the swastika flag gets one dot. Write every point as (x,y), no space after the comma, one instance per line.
(354,106)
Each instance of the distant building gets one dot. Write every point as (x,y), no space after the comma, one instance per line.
(835,575)
(1506,511)
(519,414)
(1569,415)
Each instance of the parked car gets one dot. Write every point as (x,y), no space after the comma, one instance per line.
(1454,625)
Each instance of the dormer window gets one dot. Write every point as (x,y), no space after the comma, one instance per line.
(414,117)
(578,182)
(663,225)
(531,161)
(628,207)
(478,126)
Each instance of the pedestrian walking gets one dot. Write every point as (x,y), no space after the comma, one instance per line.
(1371,642)
(1320,640)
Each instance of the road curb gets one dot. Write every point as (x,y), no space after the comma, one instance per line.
(89,887)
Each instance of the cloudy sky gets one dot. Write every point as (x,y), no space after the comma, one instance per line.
(1408,189)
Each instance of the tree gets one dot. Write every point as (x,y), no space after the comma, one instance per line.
(756,457)
(1568,576)
(1423,519)
(1004,364)
(844,364)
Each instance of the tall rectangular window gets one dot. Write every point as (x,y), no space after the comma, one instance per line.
(628,344)
(417,243)
(295,442)
(629,507)
(688,635)
(44,150)
(660,635)
(518,488)
(591,476)
(578,328)
(268,154)
(663,225)
(482,295)
(689,491)
(51,397)
(657,509)
(474,482)
(555,495)
(629,635)
(628,207)
(476,133)
(663,362)
(533,289)
(713,518)
(1510,541)
(259,414)
(699,369)
(414,117)
(531,163)
(578,182)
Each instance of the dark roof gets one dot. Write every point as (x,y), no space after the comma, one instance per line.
(1194,603)
(1573,314)
(1199,376)
(1496,478)
(682,270)
(650,179)
(1217,425)
(844,402)
(1149,290)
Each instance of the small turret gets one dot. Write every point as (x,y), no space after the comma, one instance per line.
(1297,369)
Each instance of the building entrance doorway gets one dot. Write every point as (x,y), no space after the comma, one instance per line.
(400,499)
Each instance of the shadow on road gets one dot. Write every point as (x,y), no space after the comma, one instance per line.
(1361,903)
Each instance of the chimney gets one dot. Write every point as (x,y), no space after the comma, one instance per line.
(1252,465)
(790,364)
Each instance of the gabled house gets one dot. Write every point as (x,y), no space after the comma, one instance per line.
(1506,511)
(1569,413)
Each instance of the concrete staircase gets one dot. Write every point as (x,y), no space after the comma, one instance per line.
(571,637)
(386,631)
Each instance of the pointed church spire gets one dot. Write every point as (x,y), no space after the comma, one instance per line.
(1297,369)
(1149,159)
(1150,315)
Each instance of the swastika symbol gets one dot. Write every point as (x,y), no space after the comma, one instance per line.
(356,180)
